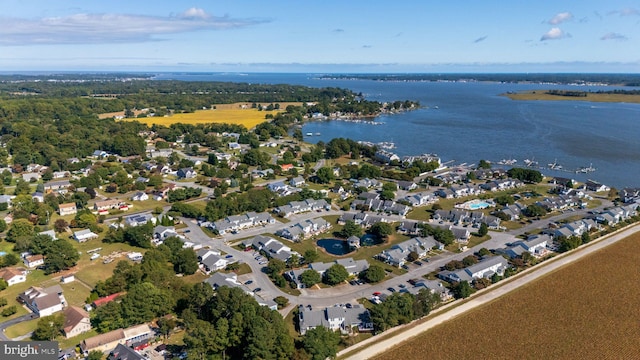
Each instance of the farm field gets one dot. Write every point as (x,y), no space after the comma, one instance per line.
(587,310)
(239,113)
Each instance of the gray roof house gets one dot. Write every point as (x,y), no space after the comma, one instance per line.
(335,318)
(484,269)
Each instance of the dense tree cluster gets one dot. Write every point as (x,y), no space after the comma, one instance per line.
(402,308)
(526,175)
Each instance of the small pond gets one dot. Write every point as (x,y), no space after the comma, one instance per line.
(370,240)
(334,246)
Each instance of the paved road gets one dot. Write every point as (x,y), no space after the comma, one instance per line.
(373,346)
(6,324)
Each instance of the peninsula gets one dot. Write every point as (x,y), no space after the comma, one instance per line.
(558,95)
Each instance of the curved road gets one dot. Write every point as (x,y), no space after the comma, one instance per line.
(6,324)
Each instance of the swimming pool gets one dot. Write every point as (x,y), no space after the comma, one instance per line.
(478,205)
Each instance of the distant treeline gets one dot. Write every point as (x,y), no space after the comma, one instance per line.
(610,79)
(584,93)
(567,93)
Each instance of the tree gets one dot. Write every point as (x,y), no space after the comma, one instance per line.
(321,343)
(309,278)
(381,229)
(20,228)
(387,195)
(310,256)
(413,256)
(335,274)
(95,355)
(185,261)
(585,237)
(374,274)
(325,175)
(484,164)
(462,290)
(350,229)
(484,252)
(166,326)
(469,260)
(483,230)
(535,210)
(505,199)
(275,266)
(281,301)
(60,255)
(48,327)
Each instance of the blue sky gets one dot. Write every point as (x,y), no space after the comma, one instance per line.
(320,36)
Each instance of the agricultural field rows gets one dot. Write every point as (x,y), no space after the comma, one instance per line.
(587,310)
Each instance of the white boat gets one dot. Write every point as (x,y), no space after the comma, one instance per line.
(309,134)
(95,256)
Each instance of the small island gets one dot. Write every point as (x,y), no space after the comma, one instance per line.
(626,96)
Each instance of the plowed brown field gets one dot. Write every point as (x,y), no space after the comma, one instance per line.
(587,310)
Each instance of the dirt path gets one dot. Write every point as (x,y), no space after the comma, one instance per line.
(374,346)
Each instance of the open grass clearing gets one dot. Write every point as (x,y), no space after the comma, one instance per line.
(585,310)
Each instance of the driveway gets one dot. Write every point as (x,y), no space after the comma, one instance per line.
(6,324)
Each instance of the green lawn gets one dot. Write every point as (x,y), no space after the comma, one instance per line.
(21,328)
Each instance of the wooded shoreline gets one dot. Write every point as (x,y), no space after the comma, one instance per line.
(589,96)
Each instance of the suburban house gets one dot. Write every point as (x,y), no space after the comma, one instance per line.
(60,186)
(161,232)
(297,207)
(13,275)
(31,176)
(433,286)
(108,341)
(420,199)
(49,233)
(534,244)
(121,352)
(213,263)
(7,199)
(76,322)
(304,229)
(139,219)
(186,173)
(297,181)
(235,223)
(32,261)
(43,302)
(353,267)
(386,157)
(335,318)
(272,247)
(140,196)
(379,205)
(84,235)
(407,185)
(67,209)
(398,253)
(106,205)
(484,269)
(218,280)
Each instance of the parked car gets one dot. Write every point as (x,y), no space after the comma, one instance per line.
(418,262)
(257,290)
(391,289)
(248,282)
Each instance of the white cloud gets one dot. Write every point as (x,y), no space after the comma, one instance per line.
(560,18)
(554,34)
(613,36)
(195,13)
(626,12)
(111,28)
